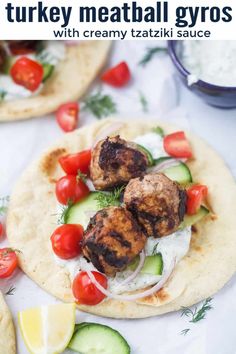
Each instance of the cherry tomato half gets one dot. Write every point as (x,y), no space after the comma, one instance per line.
(70,189)
(117,76)
(67,116)
(27,73)
(85,292)
(195,196)
(177,145)
(66,241)
(74,162)
(8,262)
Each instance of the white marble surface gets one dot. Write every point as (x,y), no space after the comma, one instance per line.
(22,142)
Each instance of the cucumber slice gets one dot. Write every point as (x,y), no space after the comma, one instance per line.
(179,173)
(47,71)
(96,339)
(148,154)
(153,265)
(79,213)
(190,220)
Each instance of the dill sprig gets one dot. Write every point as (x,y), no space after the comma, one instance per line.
(100,105)
(196,314)
(154,251)
(3,204)
(150,53)
(62,215)
(10,291)
(185,331)
(105,200)
(159,131)
(143,102)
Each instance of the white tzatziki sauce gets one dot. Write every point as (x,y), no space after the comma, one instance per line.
(210,61)
(53,53)
(153,142)
(172,248)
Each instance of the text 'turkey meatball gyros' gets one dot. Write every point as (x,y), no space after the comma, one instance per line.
(145,240)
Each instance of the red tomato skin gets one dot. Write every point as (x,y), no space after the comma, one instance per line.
(8,262)
(70,189)
(1,229)
(27,73)
(85,292)
(177,145)
(195,196)
(67,116)
(118,76)
(66,241)
(74,162)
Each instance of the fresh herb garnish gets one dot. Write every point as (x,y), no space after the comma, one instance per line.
(2,95)
(10,291)
(109,199)
(81,176)
(154,251)
(62,216)
(100,105)
(159,131)
(185,331)
(3,204)
(150,53)
(143,101)
(196,314)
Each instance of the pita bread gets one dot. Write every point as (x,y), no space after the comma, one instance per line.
(209,264)
(7,333)
(69,82)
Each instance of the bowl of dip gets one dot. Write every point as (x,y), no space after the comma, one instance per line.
(207,68)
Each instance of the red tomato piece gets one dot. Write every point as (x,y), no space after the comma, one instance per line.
(67,116)
(117,76)
(28,73)
(177,145)
(73,163)
(85,292)
(8,262)
(1,229)
(195,196)
(70,189)
(66,241)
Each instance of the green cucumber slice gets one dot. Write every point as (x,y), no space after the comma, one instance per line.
(152,265)
(95,338)
(79,213)
(190,220)
(179,173)
(47,71)
(148,154)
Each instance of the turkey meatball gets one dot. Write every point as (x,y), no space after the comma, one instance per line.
(3,57)
(115,161)
(20,46)
(157,203)
(112,240)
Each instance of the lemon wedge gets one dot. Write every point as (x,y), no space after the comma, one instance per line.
(47,329)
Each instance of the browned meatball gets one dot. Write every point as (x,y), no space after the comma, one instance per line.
(115,161)
(19,46)
(157,203)
(112,240)
(3,57)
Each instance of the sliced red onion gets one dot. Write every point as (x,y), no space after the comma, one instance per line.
(107,131)
(164,165)
(136,296)
(136,272)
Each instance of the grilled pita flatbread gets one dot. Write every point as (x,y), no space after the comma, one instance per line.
(209,264)
(69,82)
(7,333)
